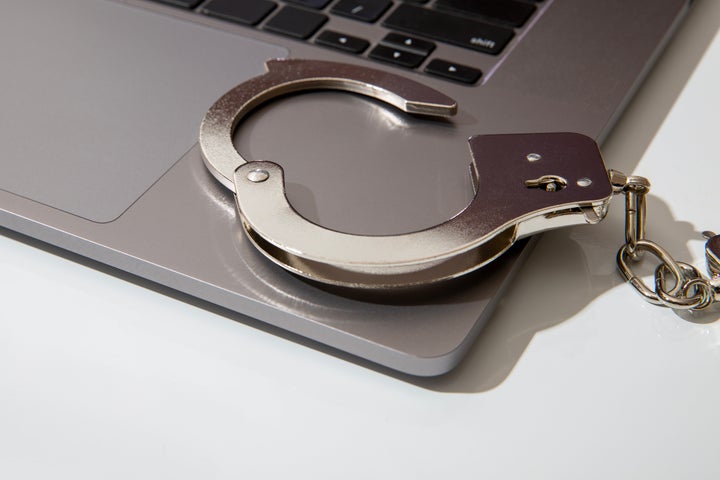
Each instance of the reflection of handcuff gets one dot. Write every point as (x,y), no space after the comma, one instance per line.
(524,184)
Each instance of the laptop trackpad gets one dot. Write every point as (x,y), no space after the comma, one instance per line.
(105,97)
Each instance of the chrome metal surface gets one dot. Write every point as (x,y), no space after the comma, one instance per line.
(712,253)
(286,76)
(690,290)
(503,210)
(549,183)
(624,256)
(258,175)
(696,293)
(636,211)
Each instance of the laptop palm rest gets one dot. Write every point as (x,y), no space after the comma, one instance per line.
(116,138)
(101,99)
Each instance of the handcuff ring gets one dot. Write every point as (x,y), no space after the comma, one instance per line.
(509,207)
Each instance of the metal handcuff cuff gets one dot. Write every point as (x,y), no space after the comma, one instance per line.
(540,182)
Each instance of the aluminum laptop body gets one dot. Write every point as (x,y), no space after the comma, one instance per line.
(100,102)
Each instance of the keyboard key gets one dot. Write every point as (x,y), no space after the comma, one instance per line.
(248,12)
(453,71)
(398,57)
(461,31)
(295,22)
(508,12)
(363,10)
(181,3)
(341,41)
(406,42)
(317,4)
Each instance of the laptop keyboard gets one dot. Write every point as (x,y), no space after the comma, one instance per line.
(412,26)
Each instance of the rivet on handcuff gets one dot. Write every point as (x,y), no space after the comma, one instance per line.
(524,184)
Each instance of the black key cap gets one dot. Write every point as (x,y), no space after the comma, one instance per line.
(450,28)
(181,3)
(453,71)
(296,22)
(363,10)
(248,12)
(317,4)
(508,12)
(341,41)
(406,42)
(398,57)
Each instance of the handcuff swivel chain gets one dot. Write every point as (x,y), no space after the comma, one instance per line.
(678,285)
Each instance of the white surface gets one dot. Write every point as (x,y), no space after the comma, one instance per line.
(575,377)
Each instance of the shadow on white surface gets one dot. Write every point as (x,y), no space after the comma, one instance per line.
(567,271)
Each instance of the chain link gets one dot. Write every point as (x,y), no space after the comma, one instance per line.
(678,285)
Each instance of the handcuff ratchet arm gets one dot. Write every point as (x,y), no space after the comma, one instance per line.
(286,76)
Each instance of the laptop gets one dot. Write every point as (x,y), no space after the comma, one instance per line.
(102,99)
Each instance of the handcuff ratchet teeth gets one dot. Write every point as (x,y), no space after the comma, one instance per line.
(524,184)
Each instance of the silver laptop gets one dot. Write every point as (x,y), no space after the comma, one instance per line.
(100,103)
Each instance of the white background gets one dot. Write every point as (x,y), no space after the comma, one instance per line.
(574,377)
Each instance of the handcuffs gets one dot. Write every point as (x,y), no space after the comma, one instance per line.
(539,182)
